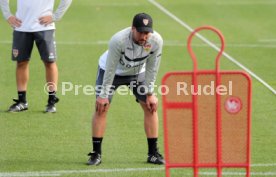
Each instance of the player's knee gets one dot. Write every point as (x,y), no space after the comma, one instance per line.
(22,64)
(100,114)
(50,64)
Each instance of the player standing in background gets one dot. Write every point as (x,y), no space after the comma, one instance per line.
(132,59)
(34,22)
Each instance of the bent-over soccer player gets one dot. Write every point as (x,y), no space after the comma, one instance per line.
(132,59)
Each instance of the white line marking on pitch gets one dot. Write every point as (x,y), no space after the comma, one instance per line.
(27,174)
(211,44)
(239,174)
(66,172)
(267,40)
(100,42)
(116,4)
(166,43)
(264,165)
(246,3)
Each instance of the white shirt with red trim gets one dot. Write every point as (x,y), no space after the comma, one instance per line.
(29,11)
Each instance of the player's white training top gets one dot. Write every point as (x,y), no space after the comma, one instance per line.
(126,58)
(29,11)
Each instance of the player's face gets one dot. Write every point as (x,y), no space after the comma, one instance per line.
(140,38)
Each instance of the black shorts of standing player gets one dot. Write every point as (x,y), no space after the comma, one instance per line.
(23,45)
(135,83)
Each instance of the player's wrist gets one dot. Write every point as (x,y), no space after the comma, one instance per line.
(150,94)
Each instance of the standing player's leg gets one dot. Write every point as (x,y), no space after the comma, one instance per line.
(150,122)
(21,53)
(98,129)
(151,130)
(51,72)
(98,125)
(45,42)
(22,75)
(150,125)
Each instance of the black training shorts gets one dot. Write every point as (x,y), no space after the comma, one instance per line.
(136,84)
(23,45)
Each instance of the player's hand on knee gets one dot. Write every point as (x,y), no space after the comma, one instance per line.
(152,103)
(102,105)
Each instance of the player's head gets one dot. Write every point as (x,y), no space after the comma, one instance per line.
(142,22)
(141,28)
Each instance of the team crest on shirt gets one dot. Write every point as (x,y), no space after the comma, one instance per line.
(147,47)
(146,22)
(15,52)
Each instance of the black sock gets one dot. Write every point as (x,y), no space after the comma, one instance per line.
(97,145)
(152,145)
(52,96)
(22,96)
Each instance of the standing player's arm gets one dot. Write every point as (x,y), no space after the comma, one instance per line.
(12,20)
(62,8)
(113,57)
(152,68)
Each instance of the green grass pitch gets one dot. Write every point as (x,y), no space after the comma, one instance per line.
(37,144)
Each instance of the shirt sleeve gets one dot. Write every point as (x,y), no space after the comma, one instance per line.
(113,58)
(5,7)
(62,8)
(152,66)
